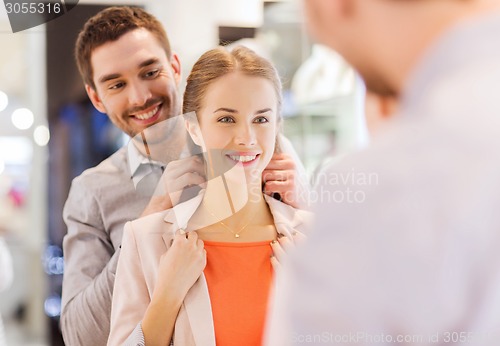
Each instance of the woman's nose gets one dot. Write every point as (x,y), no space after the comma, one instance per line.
(245,136)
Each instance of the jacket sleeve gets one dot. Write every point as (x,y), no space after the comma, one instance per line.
(131,296)
(89,272)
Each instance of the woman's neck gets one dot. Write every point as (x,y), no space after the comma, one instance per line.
(229,199)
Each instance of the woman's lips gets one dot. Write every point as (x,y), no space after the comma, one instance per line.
(245,159)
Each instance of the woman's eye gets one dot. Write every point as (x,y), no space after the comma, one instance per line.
(226,120)
(261,120)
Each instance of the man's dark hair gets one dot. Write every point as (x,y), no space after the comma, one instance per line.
(109,25)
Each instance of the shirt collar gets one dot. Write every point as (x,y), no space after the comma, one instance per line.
(139,165)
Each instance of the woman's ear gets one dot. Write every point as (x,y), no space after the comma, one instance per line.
(277,142)
(193,127)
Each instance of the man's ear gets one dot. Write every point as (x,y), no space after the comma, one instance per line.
(176,67)
(346,7)
(95,99)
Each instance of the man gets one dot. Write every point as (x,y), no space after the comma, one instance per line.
(131,74)
(414,259)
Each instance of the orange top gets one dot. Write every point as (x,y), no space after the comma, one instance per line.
(239,278)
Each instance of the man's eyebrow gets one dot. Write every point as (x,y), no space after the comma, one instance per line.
(148,62)
(108,77)
(112,76)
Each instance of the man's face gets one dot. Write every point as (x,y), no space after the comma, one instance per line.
(136,84)
(344,26)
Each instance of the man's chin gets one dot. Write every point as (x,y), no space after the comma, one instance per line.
(379,87)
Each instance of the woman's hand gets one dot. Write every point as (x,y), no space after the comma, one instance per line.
(178,270)
(181,265)
(282,246)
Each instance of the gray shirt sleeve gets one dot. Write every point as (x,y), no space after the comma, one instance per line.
(89,273)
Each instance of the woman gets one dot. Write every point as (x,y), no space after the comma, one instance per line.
(208,283)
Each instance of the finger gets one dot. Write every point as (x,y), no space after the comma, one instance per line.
(180,231)
(191,164)
(278,251)
(191,179)
(200,244)
(280,175)
(278,186)
(299,237)
(286,243)
(192,237)
(275,263)
(281,162)
(179,235)
(186,180)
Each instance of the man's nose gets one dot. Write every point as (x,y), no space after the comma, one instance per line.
(139,94)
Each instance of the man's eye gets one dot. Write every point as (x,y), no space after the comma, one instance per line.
(116,86)
(153,73)
(226,120)
(261,120)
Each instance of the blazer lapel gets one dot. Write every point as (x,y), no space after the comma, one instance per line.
(287,219)
(199,312)
(197,301)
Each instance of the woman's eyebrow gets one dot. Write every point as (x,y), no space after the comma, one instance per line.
(265,110)
(228,110)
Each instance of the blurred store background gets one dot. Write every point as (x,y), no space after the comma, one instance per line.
(49,131)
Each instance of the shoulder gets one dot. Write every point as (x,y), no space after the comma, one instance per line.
(112,173)
(111,169)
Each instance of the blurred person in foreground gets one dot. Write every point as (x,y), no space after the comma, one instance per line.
(131,75)
(414,259)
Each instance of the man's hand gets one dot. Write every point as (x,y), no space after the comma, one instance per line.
(177,176)
(280,176)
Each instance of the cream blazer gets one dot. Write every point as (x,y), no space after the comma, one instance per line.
(144,241)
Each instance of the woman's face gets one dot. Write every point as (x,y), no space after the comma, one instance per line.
(238,121)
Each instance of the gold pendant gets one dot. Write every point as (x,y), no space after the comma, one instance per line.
(236,235)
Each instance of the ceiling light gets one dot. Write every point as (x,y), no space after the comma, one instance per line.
(41,135)
(22,118)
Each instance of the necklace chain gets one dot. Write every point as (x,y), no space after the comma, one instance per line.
(236,234)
